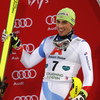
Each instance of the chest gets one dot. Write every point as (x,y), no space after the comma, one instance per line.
(68,54)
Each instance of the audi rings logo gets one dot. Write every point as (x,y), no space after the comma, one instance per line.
(28,47)
(24,74)
(23,22)
(51,19)
(28,97)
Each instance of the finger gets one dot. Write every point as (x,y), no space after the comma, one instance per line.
(3,39)
(4,31)
(11,34)
(4,35)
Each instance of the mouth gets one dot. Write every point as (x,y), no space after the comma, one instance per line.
(61,31)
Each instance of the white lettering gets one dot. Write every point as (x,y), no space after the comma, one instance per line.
(21,83)
(38,2)
(15,58)
(54,28)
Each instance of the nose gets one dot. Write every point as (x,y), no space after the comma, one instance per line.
(60,25)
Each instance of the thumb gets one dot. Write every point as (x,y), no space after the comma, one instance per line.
(70,97)
(4,31)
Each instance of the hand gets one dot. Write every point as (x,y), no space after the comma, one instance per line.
(79,97)
(82,95)
(4,35)
(16,43)
(3,86)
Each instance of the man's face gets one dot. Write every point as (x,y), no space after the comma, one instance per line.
(63,27)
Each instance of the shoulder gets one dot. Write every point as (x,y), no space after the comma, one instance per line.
(49,38)
(82,43)
(77,39)
(79,42)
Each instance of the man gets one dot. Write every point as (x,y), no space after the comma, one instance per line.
(65,53)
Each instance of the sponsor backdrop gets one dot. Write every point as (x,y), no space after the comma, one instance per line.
(34,21)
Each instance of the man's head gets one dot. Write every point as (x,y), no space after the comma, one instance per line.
(66,14)
(65,21)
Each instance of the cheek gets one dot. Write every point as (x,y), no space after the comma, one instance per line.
(57,26)
(67,27)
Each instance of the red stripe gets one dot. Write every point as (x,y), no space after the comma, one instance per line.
(19,52)
(87,88)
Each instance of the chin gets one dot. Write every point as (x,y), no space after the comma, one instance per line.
(61,34)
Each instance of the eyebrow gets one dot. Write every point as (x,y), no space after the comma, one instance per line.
(62,21)
(57,20)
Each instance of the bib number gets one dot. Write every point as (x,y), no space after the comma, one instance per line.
(55,64)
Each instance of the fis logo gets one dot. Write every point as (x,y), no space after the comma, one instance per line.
(87,60)
(39,2)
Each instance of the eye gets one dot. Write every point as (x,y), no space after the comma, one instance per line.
(58,21)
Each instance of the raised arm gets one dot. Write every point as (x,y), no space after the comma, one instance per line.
(28,60)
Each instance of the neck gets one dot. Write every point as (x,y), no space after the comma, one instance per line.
(66,36)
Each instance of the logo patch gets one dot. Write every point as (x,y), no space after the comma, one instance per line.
(66,78)
(66,14)
(66,68)
(46,65)
(56,50)
(85,53)
(87,60)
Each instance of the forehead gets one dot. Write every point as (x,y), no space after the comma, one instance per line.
(61,20)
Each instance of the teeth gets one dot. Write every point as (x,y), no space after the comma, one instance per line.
(61,30)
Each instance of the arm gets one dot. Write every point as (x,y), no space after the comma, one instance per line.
(28,60)
(86,62)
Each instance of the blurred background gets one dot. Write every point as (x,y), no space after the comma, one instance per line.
(35,20)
